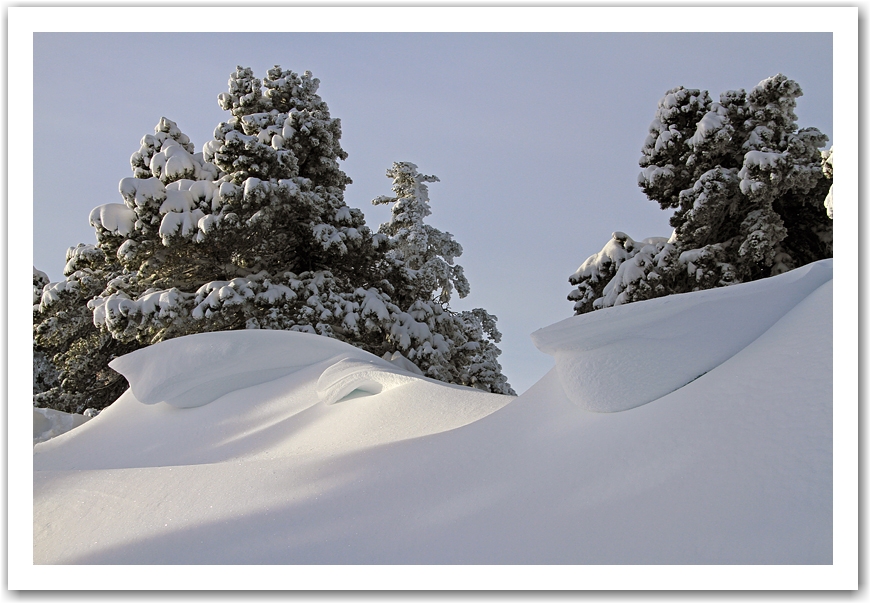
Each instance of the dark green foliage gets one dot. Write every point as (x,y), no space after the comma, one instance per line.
(748,192)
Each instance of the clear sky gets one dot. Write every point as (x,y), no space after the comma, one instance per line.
(535,136)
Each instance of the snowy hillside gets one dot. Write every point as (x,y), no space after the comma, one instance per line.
(261,447)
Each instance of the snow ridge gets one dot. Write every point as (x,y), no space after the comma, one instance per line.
(615,359)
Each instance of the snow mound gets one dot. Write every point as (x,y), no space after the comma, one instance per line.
(259,394)
(197,369)
(618,358)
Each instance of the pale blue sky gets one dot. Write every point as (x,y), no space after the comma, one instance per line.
(535,137)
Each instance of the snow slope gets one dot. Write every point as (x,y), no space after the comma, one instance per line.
(333,456)
(49,423)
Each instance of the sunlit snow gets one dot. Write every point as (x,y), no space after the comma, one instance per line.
(275,447)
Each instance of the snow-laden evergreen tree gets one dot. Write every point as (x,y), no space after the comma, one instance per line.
(748,189)
(253,232)
(457,347)
(71,355)
(424,254)
(44,372)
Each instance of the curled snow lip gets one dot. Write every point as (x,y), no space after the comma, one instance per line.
(348,375)
(625,356)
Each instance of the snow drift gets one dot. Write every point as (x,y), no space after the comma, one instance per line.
(620,357)
(195,370)
(333,456)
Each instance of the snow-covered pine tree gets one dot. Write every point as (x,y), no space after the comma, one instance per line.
(44,372)
(254,232)
(748,189)
(251,233)
(457,347)
(71,355)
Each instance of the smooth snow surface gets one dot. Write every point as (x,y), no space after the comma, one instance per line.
(734,467)
(620,357)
